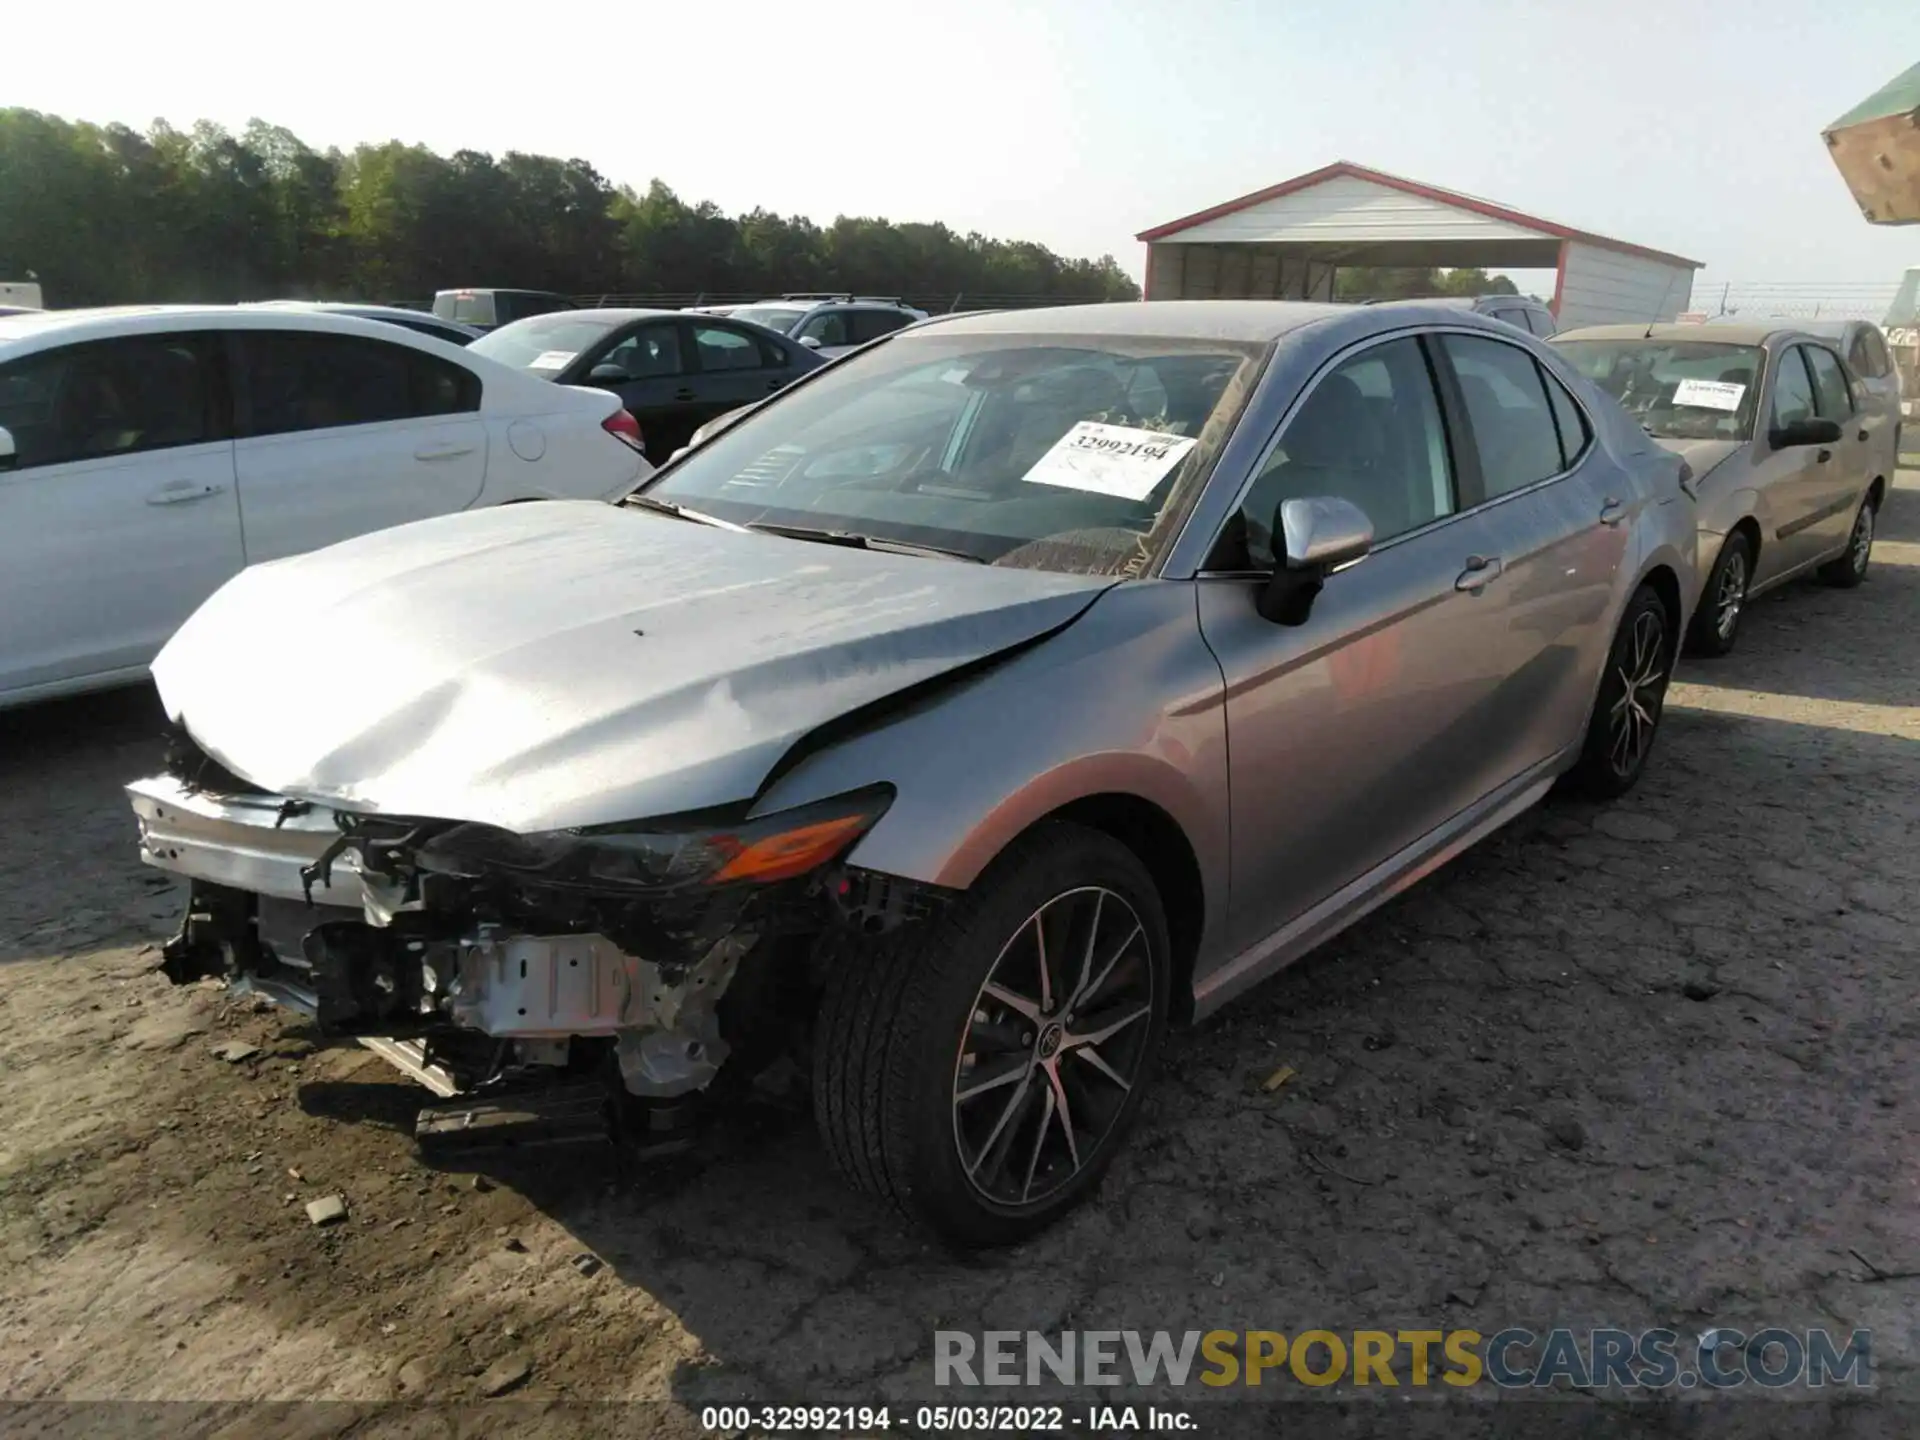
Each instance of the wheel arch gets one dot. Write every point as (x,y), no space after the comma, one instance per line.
(1666,584)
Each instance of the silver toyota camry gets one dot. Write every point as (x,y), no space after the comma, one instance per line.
(952,724)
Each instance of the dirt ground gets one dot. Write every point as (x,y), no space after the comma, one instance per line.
(1633,1066)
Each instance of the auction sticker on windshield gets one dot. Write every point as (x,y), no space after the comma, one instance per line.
(552,360)
(1115,460)
(1709,394)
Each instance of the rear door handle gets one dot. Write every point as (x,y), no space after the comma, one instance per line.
(1481,571)
(1863,434)
(443,452)
(1612,511)
(683,395)
(183,492)
(1822,457)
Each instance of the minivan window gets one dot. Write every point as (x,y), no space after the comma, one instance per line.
(112,397)
(304,380)
(469,307)
(872,324)
(1369,432)
(1514,431)
(1018,450)
(829,327)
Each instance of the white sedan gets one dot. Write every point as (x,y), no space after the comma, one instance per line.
(148,455)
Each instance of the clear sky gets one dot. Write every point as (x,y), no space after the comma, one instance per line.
(1688,125)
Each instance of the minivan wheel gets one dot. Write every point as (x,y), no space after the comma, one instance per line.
(1717,621)
(1626,714)
(1849,568)
(980,1069)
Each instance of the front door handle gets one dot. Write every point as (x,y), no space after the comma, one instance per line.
(1481,571)
(683,395)
(443,452)
(183,492)
(1612,511)
(774,384)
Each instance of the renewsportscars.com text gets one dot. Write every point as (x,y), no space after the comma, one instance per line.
(1719,1359)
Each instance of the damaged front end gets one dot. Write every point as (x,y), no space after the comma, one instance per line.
(466,953)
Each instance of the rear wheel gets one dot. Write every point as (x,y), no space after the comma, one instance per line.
(1850,568)
(980,1071)
(1626,715)
(1717,621)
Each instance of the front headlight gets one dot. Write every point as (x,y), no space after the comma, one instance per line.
(646,859)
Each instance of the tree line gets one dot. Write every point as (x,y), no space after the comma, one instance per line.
(104,214)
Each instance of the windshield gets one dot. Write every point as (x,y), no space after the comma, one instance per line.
(544,343)
(774,317)
(1050,452)
(1677,389)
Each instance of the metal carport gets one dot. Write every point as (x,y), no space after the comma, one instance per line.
(1288,242)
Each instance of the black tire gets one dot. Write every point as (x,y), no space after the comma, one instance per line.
(1641,656)
(1716,624)
(1850,568)
(891,1044)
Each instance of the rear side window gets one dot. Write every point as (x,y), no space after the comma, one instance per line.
(1568,419)
(872,324)
(1830,383)
(1514,429)
(1868,354)
(109,398)
(295,381)
(1541,323)
(511,307)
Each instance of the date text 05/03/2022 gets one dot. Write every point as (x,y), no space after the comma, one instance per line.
(935,1419)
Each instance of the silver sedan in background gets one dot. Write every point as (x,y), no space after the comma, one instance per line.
(986,702)
(1791,453)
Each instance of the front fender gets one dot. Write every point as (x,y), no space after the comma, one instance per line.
(1126,700)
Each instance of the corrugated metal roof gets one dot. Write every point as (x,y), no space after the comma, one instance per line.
(1491,220)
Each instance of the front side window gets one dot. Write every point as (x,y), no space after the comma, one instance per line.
(1676,389)
(1830,387)
(1046,451)
(1369,432)
(1793,390)
(304,380)
(720,348)
(1514,430)
(108,398)
(829,327)
(650,353)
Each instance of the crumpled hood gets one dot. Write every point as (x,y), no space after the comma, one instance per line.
(570,663)
(1702,455)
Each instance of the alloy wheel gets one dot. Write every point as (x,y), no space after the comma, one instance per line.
(1860,547)
(1058,1035)
(1732,595)
(1640,666)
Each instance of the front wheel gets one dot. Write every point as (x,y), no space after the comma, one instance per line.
(1633,691)
(981,1070)
(1849,569)
(1717,621)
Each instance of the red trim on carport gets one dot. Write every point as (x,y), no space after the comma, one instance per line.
(1346,169)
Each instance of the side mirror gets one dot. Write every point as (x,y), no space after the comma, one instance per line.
(608,374)
(1805,432)
(8,456)
(812,342)
(1318,535)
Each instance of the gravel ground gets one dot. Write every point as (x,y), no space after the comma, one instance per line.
(1646,1065)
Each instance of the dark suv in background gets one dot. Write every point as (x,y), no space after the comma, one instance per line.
(488,309)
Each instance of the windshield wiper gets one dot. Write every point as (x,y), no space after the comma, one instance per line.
(679,512)
(853,539)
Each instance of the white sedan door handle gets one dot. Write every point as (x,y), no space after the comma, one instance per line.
(443,452)
(182,493)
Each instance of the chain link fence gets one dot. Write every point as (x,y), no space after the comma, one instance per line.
(934,304)
(1794,300)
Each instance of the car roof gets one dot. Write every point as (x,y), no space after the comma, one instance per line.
(106,322)
(1721,332)
(1247,321)
(494,290)
(355,307)
(596,312)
